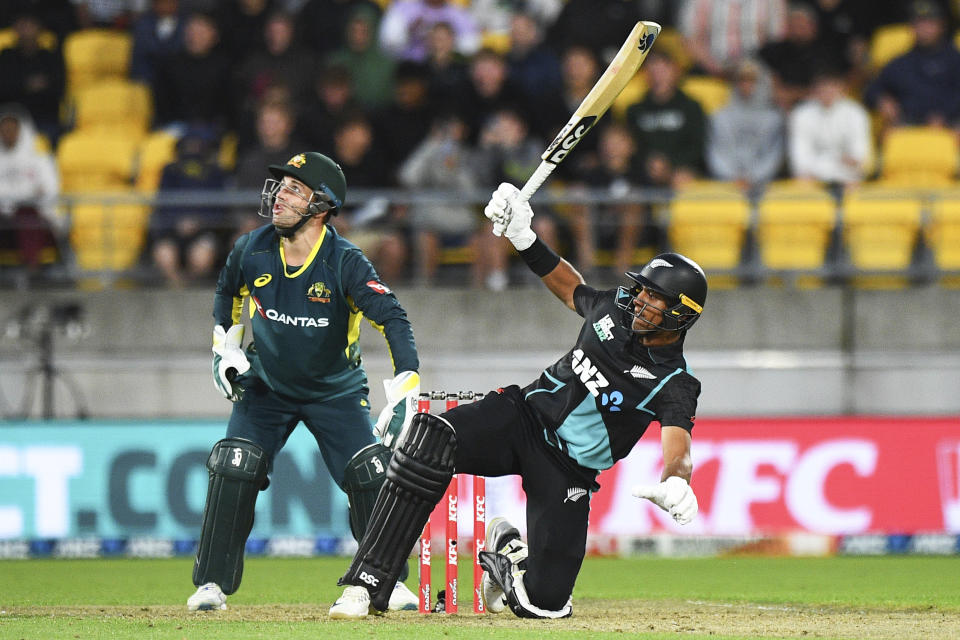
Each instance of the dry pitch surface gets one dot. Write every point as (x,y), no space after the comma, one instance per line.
(590,616)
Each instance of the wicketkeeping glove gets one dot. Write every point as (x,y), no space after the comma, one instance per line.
(673,495)
(511,216)
(402,394)
(229,361)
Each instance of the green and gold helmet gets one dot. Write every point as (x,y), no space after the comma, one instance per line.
(318,172)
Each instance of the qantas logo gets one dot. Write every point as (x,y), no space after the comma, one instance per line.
(379,287)
(296,321)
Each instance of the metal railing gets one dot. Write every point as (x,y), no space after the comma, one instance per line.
(125,218)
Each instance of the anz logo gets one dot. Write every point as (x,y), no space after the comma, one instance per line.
(590,376)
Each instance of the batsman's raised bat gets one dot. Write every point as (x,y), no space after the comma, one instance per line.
(623,67)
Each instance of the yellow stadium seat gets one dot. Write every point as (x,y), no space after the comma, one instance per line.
(942,230)
(712,93)
(47,39)
(921,156)
(95,162)
(95,54)
(881,226)
(157,151)
(115,104)
(795,223)
(108,237)
(709,226)
(888,42)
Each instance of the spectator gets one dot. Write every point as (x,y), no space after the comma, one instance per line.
(33,76)
(323,23)
(157,34)
(717,33)
(333,99)
(534,68)
(793,58)
(921,87)
(599,25)
(59,16)
(616,228)
(28,193)
(406,25)
(404,123)
(487,91)
(281,62)
(494,17)
(275,126)
(829,134)
(508,152)
(845,26)
(746,137)
(374,226)
(668,126)
(187,241)
(449,70)
(580,69)
(193,86)
(371,69)
(242,25)
(444,162)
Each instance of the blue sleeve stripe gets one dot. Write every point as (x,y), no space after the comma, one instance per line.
(643,405)
(557,386)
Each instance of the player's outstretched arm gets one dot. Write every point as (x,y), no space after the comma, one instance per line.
(511,216)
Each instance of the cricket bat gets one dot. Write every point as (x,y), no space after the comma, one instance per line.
(601,96)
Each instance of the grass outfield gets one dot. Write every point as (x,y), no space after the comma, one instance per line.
(895,598)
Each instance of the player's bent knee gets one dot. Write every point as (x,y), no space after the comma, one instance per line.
(423,463)
(362,478)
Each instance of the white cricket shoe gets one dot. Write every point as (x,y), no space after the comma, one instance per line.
(354,604)
(208,597)
(494,600)
(402,599)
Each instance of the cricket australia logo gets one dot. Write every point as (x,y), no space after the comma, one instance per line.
(298,160)
(640,373)
(574,494)
(318,292)
(604,328)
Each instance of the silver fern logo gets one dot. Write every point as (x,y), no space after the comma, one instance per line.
(574,494)
(640,373)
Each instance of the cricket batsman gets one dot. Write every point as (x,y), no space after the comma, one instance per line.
(307,289)
(585,412)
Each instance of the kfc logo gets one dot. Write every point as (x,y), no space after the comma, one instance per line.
(379,287)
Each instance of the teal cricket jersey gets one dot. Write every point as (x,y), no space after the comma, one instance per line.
(306,322)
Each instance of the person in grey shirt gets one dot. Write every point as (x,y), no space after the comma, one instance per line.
(746,137)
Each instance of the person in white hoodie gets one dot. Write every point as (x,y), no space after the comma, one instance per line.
(29,187)
(828,135)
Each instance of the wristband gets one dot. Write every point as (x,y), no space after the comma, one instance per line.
(540,258)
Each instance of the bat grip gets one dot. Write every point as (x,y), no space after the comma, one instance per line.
(537,179)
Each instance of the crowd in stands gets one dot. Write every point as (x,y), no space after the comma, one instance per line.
(448,97)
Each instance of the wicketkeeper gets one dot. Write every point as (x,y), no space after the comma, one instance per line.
(583,413)
(307,290)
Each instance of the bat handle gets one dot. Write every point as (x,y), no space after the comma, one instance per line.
(537,179)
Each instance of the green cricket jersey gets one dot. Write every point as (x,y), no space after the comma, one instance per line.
(306,320)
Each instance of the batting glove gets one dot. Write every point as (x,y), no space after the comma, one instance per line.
(511,216)
(402,394)
(229,361)
(673,495)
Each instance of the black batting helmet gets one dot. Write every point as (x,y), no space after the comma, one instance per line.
(679,279)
